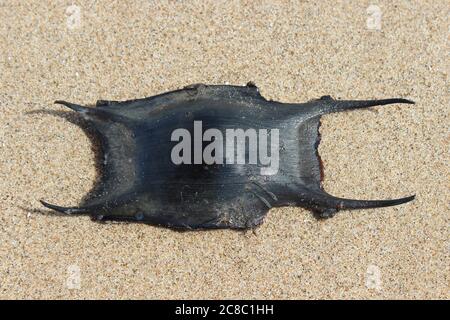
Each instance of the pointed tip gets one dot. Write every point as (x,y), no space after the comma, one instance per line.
(341,105)
(363,204)
(74,107)
(392,202)
(330,202)
(397,100)
(55,207)
(406,101)
(65,210)
(406,199)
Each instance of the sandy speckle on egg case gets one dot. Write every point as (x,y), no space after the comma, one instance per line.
(294,51)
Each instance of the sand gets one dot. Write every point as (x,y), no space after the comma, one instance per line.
(294,51)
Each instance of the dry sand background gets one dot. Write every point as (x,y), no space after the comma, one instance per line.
(294,51)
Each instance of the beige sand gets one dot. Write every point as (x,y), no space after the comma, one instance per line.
(294,52)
